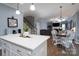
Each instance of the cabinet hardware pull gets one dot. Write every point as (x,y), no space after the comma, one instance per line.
(18,50)
(4,43)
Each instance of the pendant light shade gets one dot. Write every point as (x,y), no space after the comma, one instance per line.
(61,18)
(17,10)
(32,7)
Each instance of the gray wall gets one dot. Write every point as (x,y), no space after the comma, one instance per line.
(41,23)
(75,19)
(76,16)
(6,12)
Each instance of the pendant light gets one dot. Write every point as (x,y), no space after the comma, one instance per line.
(17,10)
(32,7)
(60,12)
(61,17)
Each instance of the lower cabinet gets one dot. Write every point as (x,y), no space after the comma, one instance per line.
(5,48)
(41,50)
(13,53)
(0,48)
(5,52)
(10,49)
(20,51)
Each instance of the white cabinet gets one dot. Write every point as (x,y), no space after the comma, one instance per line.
(11,49)
(0,48)
(20,50)
(13,53)
(5,52)
(41,50)
(5,48)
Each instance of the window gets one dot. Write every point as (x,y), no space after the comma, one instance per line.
(63,26)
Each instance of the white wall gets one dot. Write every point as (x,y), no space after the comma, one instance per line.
(6,12)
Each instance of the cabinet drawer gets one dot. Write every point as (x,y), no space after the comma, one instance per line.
(6,44)
(13,53)
(5,48)
(20,50)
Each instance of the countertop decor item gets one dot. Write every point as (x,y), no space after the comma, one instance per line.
(25,35)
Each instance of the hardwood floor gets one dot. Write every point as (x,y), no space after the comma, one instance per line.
(52,50)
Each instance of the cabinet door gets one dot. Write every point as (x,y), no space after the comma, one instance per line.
(5,48)
(42,50)
(5,52)
(13,53)
(20,50)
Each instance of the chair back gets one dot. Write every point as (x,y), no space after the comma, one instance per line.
(54,33)
(68,41)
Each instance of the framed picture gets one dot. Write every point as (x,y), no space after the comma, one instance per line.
(12,22)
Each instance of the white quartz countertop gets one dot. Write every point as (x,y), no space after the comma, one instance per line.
(31,43)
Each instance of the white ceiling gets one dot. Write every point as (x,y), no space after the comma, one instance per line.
(47,9)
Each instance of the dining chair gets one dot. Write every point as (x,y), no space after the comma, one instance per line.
(68,43)
(56,39)
(54,32)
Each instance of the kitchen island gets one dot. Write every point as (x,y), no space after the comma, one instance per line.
(14,45)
